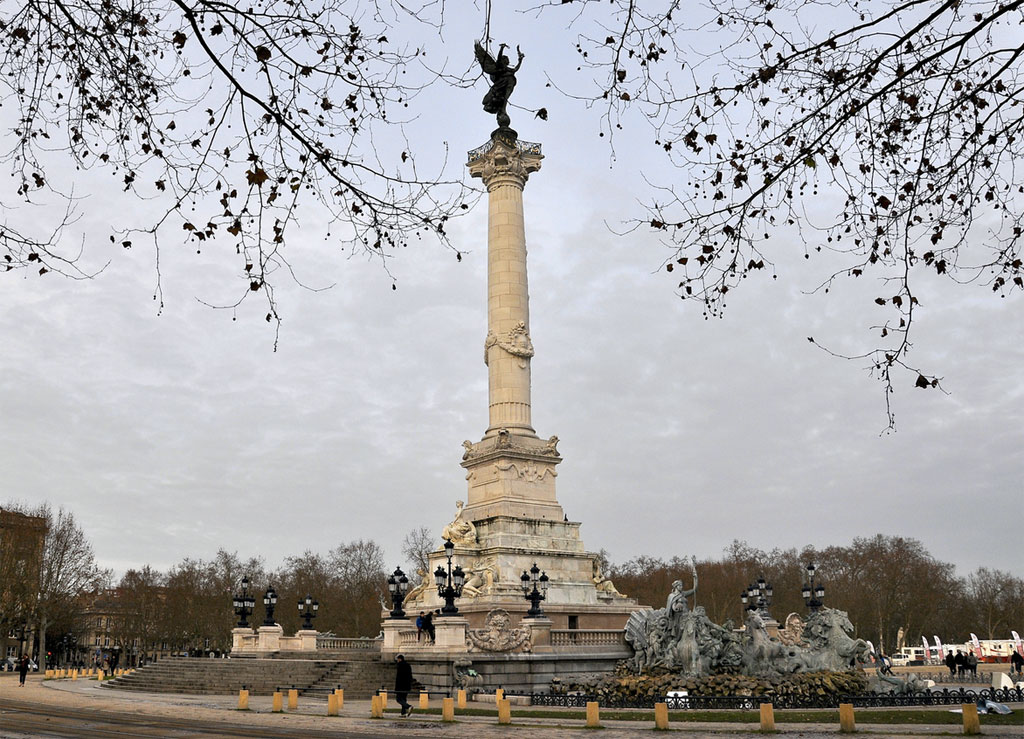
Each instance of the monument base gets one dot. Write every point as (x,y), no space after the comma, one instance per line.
(578,596)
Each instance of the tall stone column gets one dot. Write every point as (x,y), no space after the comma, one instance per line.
(504,168)
(510,471)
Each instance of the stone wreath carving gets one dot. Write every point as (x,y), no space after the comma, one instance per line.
(516,342)
(497,635)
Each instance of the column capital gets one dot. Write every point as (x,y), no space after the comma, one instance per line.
(500,161)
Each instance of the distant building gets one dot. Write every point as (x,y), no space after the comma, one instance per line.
(22,539)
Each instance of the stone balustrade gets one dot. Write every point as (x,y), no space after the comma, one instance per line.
(338,643)
(568,638)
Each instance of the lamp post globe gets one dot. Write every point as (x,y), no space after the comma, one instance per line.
(398,587)
(813,593)
(244,604)
(307,610)
(269,601)
(535,589)
(449,581)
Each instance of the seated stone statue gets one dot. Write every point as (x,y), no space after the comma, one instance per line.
(460,531)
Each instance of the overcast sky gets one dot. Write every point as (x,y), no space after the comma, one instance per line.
(171,436)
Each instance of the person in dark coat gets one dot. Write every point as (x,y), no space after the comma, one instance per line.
(1016,662)
(961,662)
(403,684)
(428,626)
(22,670)
(951,663)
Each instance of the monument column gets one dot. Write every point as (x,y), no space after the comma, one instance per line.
(504,165)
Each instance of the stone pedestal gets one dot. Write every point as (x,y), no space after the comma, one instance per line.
(269,638)
(393,629)
(450,633)
(243,639)
(541,634)
(307,639)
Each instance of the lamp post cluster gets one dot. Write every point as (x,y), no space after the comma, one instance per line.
(758,597)
(398,586)
(307,610)
(244,604)
(450,582)
(269,601)
(535,589)
(812,593)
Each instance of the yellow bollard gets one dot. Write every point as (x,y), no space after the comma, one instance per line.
(593,715)
(499,694)
(462,698)
(383,699)
(847,723)
(243,700)
(767,718)
(74,674)
(972,725)
(376,708)
(340,692)
(447,710)
(424,700)
(332,705)
(48,673)
(661,716)
(278,706)
(293,699)
(99,677)
(504,711)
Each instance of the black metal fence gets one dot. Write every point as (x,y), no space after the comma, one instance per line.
(750,702)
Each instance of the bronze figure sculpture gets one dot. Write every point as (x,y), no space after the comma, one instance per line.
(503,81)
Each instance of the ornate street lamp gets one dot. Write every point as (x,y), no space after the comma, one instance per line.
(813,595)
(307,610)
(270,600)
(398,586)
(244,604)
(758,597)
(535,589)
(449,584)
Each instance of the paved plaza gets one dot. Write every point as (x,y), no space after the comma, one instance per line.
(82,708)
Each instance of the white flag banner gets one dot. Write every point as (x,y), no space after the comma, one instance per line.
(927,649)
(1016,642)
(976,644)
(938,646)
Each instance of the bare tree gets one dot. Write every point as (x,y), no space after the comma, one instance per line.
(416,546)
(68,569)
(360,569)
(886,135)
(230,116)
(996,601)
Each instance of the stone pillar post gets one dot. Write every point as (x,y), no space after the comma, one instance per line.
(540,633)
(270,638)
(504,168)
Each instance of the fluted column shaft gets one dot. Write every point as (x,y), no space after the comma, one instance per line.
(507,348)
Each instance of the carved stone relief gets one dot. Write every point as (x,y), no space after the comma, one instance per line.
(497,635)
(516,342)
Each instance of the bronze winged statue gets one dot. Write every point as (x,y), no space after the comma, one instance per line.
(503,81)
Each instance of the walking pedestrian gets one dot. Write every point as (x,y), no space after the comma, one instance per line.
(1016,662)
(972,664)
(419,626)
(403,684)
(951,664)
(22,670)
(961,663)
